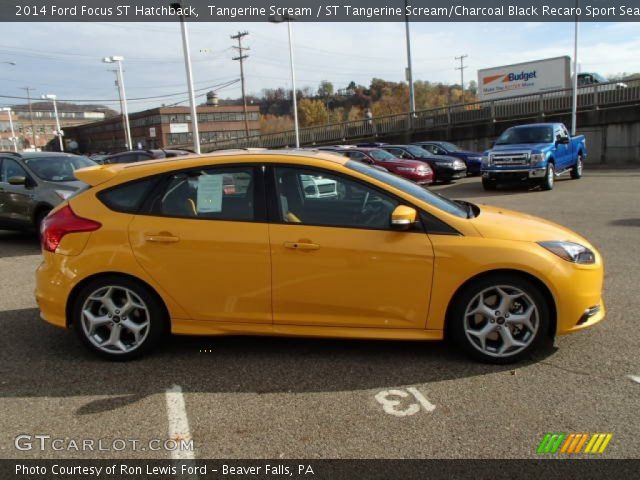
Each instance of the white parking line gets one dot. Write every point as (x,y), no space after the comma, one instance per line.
(178,422)
(634,378)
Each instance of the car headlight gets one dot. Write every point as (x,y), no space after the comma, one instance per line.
(571,252)
(446,164)
(486,161)
(64,194)
(538,157)
(459,164)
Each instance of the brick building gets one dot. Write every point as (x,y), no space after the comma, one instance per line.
(166,127)
(37,127)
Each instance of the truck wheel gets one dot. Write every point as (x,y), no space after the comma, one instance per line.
(488,184)
(576,172)
(549,177)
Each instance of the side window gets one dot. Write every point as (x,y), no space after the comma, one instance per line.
(11,168)
(312,197)
(215,193)
(127,198)
(396,152)
(431,149)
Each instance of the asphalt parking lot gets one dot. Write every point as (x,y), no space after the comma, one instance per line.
(298,398)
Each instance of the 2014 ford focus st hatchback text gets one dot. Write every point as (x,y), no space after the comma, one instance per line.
(305,243)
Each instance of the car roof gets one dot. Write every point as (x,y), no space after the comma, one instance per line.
(28,155)
(529,125)
(101,173)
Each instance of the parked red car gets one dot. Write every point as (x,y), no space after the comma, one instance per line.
(418,172)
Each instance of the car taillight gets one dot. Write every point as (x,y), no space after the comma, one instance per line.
(59,223)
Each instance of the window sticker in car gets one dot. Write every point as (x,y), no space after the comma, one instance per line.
(209,199)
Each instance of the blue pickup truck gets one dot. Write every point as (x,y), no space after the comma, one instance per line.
(535,154)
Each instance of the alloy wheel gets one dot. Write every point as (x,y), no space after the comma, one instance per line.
(115,319)
(501,321)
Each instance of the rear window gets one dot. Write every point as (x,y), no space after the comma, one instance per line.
(127,198)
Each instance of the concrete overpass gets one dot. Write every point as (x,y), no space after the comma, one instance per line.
(608,114)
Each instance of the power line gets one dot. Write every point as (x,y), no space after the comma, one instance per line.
(241,57)
(155,97)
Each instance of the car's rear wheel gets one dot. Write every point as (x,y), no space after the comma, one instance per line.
(576,172)
(549,177)
(488,184)
(118,318)
(500,319)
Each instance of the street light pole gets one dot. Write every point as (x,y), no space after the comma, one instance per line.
(289,19)
(409,76)
(125,111)
(187,65)
(574,99)
(55,111)
(13,134)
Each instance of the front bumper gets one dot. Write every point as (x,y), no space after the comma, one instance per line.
(449,173)
(513,174)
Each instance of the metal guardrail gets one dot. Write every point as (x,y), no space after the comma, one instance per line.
(525,106)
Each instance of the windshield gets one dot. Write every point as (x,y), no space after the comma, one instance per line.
(411,188)
(58,168)
(514,136)
(381,155)
(417,151)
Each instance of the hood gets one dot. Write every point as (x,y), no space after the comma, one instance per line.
(401,162)
(442,158)
(520,146)
(465,153)
(502,224)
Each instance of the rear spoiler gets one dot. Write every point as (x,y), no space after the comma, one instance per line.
(97,174)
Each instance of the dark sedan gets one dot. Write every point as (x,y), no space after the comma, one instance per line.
(445,169)
(415,171)
(142,155)
(473,160)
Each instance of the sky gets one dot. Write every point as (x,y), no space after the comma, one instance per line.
(65,58)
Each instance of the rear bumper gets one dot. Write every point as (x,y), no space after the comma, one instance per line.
(52,290)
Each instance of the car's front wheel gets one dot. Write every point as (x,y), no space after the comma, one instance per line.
(118,318)
(500,319)
(549,177)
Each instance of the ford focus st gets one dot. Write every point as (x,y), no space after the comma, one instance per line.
(305,244)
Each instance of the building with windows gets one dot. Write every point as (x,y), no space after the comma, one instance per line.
(166,127)
(5,131)
(38,126)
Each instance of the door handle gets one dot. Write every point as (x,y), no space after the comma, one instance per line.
(301,246)
(161,238)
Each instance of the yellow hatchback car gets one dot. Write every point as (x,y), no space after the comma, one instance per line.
(304,243)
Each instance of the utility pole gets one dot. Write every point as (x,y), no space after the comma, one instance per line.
(461,68)
(241,58)
(118,88)
(33,128)
(409,71)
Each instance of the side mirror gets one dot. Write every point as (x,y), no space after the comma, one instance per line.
(562,140)
(403,217)
(18,181)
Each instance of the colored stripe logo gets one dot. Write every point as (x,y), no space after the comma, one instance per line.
(574,443)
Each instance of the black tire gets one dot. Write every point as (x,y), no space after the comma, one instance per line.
(488,184)
(549,177)
(457,322)
(576,171)
(157,327)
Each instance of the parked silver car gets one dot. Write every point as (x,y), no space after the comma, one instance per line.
(33,183)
